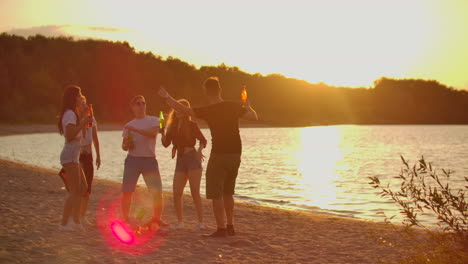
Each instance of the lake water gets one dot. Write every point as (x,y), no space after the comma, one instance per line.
(321,169)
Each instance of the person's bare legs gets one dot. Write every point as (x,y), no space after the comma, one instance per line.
(84,205)
(229,207)
(218,210)
(178,185)
(126,203)
(83,187)
(67,208)
(194,179)
(215,182)
(71,173)
(88,172)
(153,181)
(72,204)
(157,205)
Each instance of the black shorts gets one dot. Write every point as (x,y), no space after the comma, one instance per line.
(221,174)
(86,162)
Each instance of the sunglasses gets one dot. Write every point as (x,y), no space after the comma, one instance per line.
(141,103)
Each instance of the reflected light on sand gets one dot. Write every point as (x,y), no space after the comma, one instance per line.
(317,156)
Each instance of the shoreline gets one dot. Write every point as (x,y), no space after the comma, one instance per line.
(239,199)
(265,235)
(21,129)
(8,130)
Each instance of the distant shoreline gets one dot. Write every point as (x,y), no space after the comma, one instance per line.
(18,129)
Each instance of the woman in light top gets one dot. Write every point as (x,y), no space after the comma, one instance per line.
(139,139)
(183,133)
(86,159)
(71,122)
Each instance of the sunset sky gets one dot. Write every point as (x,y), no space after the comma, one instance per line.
(339,42)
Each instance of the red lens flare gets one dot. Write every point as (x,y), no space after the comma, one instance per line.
(122,232)
(120,236)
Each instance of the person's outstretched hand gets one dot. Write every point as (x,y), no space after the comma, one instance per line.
(98,162)
(162,92)
(200,156)
(246,104)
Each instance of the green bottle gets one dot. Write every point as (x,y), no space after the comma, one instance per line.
(161,120)
(140,214)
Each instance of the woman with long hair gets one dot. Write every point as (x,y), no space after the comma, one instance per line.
(72,120)
(182,132)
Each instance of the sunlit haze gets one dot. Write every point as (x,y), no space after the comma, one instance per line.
(348,43)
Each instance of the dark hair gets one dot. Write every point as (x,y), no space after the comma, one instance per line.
(68,103)
(136,97)
(212,86)
(172,119)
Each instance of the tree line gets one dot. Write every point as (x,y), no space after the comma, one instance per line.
(34,72)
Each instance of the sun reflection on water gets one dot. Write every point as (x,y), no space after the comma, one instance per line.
(319,169)
(317,155)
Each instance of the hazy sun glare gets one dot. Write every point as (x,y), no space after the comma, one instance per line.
(339,42)
(317,156)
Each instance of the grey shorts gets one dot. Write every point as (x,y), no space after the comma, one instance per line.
(134,166)
(187,162)
(70,152)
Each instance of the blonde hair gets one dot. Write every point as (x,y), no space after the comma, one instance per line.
(172,118)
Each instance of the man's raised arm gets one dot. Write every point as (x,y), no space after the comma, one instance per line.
(174,104)
(250,114)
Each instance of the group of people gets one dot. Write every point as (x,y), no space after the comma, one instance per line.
(139,140)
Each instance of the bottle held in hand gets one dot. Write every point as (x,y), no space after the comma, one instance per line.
(244,94)
(90,115)
(63,176)
(161,120)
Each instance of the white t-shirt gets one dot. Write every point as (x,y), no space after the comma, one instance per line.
(143,146)
(88,139)
(69,117)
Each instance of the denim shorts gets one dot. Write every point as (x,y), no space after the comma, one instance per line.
(148,166)
(70,152)
(187,162)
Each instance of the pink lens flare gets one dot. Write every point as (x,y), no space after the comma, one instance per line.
(120,236)
(122,232)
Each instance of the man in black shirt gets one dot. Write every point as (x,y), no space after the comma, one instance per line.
(223,119)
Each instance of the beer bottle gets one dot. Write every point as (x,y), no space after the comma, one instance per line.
(161,120)
(90,114)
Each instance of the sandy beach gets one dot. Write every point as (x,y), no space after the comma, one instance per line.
(31,201)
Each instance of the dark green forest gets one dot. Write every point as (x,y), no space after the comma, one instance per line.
(35,70)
